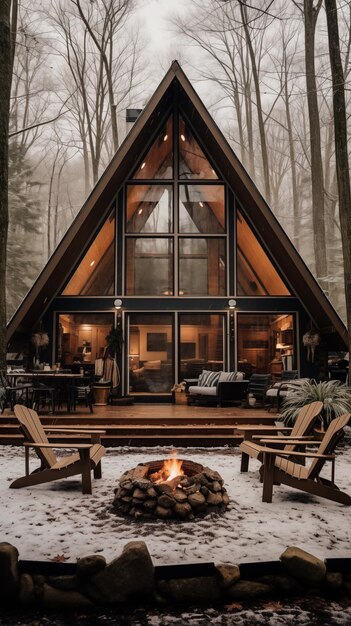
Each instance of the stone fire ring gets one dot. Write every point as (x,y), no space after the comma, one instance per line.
(199,492)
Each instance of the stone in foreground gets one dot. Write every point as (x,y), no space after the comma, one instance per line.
(303,566)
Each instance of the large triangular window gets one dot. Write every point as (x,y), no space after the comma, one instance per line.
(256,274)
(95,273)
(192,160)
(158,162)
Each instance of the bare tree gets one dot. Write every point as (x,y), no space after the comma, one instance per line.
(233,37)
(310,11)
(6,59)
(105,71)
(341,148)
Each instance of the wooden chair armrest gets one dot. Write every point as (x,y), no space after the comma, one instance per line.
(288,440)
(85,431)
(276,437)
(256,427)
(76,446)
(312,455)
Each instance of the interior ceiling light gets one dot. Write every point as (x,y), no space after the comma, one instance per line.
(165,137)
(92,263)
(140,211)
(182,137)
(201,204)
(143,165)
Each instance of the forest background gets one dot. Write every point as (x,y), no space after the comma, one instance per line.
(264,70)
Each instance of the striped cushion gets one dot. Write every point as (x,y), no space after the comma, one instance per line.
(230,376)
(208,378)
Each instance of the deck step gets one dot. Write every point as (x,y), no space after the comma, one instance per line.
(148,425)
(143,440)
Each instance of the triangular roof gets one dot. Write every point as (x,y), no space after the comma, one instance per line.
(57,269)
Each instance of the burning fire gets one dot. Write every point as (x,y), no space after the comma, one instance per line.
(170,469)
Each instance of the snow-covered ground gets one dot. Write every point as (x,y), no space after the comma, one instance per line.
(56,519)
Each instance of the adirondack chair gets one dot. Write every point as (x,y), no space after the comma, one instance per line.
(87,458)
(303,426)
(277,469)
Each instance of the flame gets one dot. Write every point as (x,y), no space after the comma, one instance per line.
(170,469)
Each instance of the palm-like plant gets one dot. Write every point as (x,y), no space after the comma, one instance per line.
(336,398)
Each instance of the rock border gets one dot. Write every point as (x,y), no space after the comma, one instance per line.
(132,578)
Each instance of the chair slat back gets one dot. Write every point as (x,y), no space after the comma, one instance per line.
(289,375)
(258,385)
(33,431)
(330,440)
(305,421)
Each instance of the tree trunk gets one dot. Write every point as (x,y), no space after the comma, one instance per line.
(295,198)
(5,80)
(319,238)
(264,153)
(341,151)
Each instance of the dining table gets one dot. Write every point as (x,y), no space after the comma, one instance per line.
(58,384)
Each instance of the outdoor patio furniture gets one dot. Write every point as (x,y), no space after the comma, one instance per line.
(303,426)
(275,393)
(218,388)
(256,391)
(279,391)
(9,395)
(87,458)
(277,468)
(81,391)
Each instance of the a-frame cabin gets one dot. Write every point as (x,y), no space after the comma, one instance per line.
(177,231)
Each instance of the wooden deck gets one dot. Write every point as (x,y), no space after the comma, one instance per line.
(150,424)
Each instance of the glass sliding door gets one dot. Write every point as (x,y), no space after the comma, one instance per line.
(81,337)
(201,343)
(266,343)
(150,353)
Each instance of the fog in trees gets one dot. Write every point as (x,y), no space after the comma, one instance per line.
(80,64)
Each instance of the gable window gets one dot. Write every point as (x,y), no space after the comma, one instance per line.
(95,274)
(256,274)
(191,216)
(149,209)
(192,161)
(157,163)
(201,209)
(201,266)
(149,264)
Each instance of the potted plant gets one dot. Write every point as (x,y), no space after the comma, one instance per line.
(114,341)
(336,398)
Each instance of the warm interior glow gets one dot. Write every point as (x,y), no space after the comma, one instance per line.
(92,263)
(142,165)
(170,469)
(165,138)
(182,137)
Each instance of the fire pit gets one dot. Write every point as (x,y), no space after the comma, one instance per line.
(172,488)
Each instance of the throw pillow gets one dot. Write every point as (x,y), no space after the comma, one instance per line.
(230,376)
(208,379)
